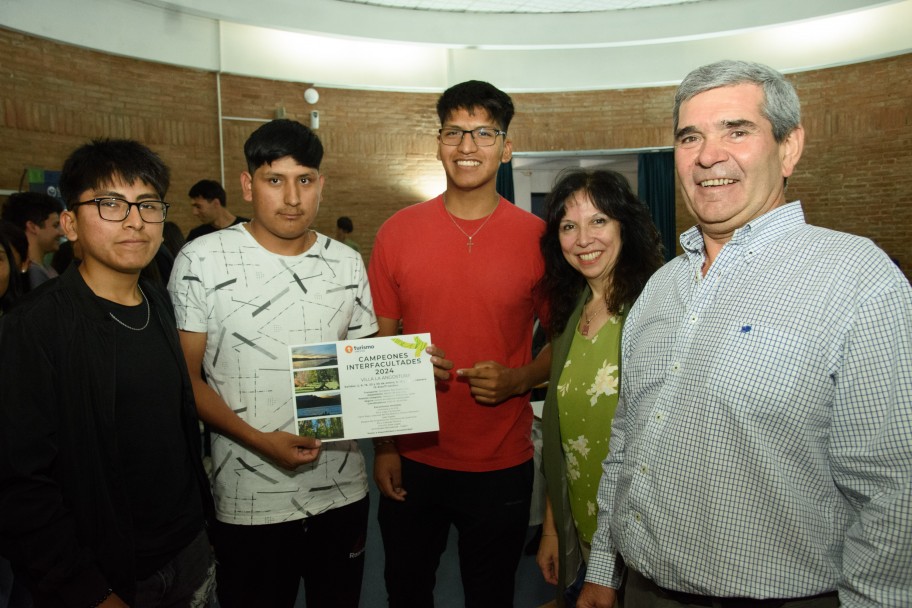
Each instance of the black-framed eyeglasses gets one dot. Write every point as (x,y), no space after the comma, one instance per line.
(113,209)
(482,136)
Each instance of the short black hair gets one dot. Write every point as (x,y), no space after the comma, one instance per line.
(280,138)
(104,160)
(345,224)
(210,190)
(477,94)
(35,207)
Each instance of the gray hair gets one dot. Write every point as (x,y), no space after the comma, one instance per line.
(780,104)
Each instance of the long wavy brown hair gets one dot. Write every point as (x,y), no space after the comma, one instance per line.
(641,247)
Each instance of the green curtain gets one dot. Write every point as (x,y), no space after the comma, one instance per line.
(656,188)
(504,181)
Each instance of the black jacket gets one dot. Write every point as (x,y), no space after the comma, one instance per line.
(65,520)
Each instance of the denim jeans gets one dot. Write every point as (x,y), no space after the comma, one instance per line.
(187,581)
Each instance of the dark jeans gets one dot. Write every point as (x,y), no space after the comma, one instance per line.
(490,511)
(263,565)
(641,592)
(187,581)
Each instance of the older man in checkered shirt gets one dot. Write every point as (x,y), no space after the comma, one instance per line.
(761,454)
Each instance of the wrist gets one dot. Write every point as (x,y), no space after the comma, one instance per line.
(385,443)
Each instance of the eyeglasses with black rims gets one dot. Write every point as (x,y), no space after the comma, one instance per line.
(113,209)
(482,136)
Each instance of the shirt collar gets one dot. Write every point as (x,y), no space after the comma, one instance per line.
(757,233)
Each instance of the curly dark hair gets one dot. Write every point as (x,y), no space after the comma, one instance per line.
(639,257)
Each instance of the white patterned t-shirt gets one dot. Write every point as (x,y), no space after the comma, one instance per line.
(253,304)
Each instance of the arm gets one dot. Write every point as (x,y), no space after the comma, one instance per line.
(596,596)
(492,383)
(870,450)
(548,549)
(38,525)
(603,571)
(387,464)
(285,449)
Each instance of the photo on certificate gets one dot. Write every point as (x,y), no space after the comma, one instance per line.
(373,387)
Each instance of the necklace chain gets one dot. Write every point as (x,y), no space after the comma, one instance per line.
(469,243)
(148,314)
(584,330)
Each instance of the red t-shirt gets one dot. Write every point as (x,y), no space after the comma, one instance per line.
(477,306)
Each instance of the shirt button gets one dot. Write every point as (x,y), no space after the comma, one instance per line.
(693,318)
(644,469)
(675,366)
(659,417)
(637,517)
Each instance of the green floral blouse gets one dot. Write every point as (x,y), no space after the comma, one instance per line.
(587,396)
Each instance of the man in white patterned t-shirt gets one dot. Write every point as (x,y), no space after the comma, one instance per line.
(287,507)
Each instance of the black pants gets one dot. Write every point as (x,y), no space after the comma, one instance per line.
(491,513)
(263,565)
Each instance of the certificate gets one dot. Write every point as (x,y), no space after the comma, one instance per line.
(364,388)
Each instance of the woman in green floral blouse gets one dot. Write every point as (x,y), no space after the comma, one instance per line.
(600,247)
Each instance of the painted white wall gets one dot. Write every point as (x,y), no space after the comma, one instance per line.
(119,27)
(350,45)
(529,178)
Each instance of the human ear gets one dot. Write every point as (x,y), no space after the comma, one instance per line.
(69,225)
(247,186)
(790,150)
(507,151)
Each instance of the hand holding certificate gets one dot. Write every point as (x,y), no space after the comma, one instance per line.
(364,388)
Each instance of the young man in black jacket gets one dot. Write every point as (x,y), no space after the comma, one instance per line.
(103,498)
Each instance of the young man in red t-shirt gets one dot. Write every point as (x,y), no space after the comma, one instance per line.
(462,266)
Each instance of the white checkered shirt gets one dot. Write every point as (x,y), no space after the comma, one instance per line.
(763,443)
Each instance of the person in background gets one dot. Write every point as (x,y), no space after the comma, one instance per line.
(761,453)
(209,204)
(103,497)
(15,247)
(600,247)
(287,509)
(63,257)
(12,594)
(344,228)
(38,215)
(172,238)
(462,266)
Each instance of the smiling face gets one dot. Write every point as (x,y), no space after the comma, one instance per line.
(590,240)
(730,166)
(124,247)
(285,197)
(467,165)
(48,233)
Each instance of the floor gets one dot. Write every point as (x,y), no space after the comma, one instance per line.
(531,590)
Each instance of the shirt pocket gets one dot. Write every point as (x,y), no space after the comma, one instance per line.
(771,373)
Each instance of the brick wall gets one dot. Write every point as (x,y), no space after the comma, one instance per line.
(856,173)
